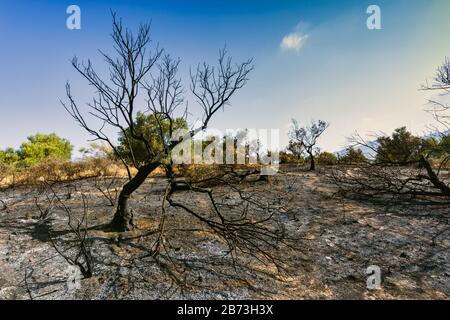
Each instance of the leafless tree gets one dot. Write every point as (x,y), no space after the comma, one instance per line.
(440,109)
(304,139)
(118,100)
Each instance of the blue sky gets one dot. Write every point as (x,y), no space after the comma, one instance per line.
(357,79)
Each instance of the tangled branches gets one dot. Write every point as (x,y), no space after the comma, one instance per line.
(239,218)
(79,253)
(396,182)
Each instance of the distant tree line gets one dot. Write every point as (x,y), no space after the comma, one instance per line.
(401,148)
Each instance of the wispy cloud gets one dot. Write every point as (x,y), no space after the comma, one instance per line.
(294,40)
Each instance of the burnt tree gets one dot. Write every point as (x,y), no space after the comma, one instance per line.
(440,109)
(138,74)
(304,139)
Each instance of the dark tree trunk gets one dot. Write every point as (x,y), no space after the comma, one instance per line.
(313,163)
(434,179)
(123,218)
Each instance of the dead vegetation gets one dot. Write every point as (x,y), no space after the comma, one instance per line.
(316,244)
(58,171)
(214,231)
(391,182)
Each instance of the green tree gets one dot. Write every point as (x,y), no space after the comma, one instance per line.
(444,145)
(40,147)
(326,159)
(9,156)
(147,126)
(353,156)
(304,139)
(402,147)
(288,157)
(296,150)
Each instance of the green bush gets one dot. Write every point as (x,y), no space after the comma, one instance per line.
(402,147)
(287,157)
(41,147)
(443,147)
(36,149)
(148,127)
(353,156)
(327,159)
(9,156)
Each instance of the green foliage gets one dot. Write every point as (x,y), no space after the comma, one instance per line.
(147,126)
(44,146)
(38,148)
(445,143)
(443,147)
(288,157)
(353,156)
(327,159)
(296,148)
(9,156)
(402,147)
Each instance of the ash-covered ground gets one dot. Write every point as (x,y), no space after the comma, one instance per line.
(334,241)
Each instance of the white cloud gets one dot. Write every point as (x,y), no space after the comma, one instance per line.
(293,41)
(296,39)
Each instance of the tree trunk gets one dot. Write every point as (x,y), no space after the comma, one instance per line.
(313,164)
(123,218)
(434,179)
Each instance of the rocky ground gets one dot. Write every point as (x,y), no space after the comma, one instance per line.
(336,239)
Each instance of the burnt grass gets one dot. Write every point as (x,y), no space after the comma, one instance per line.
(334,240)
